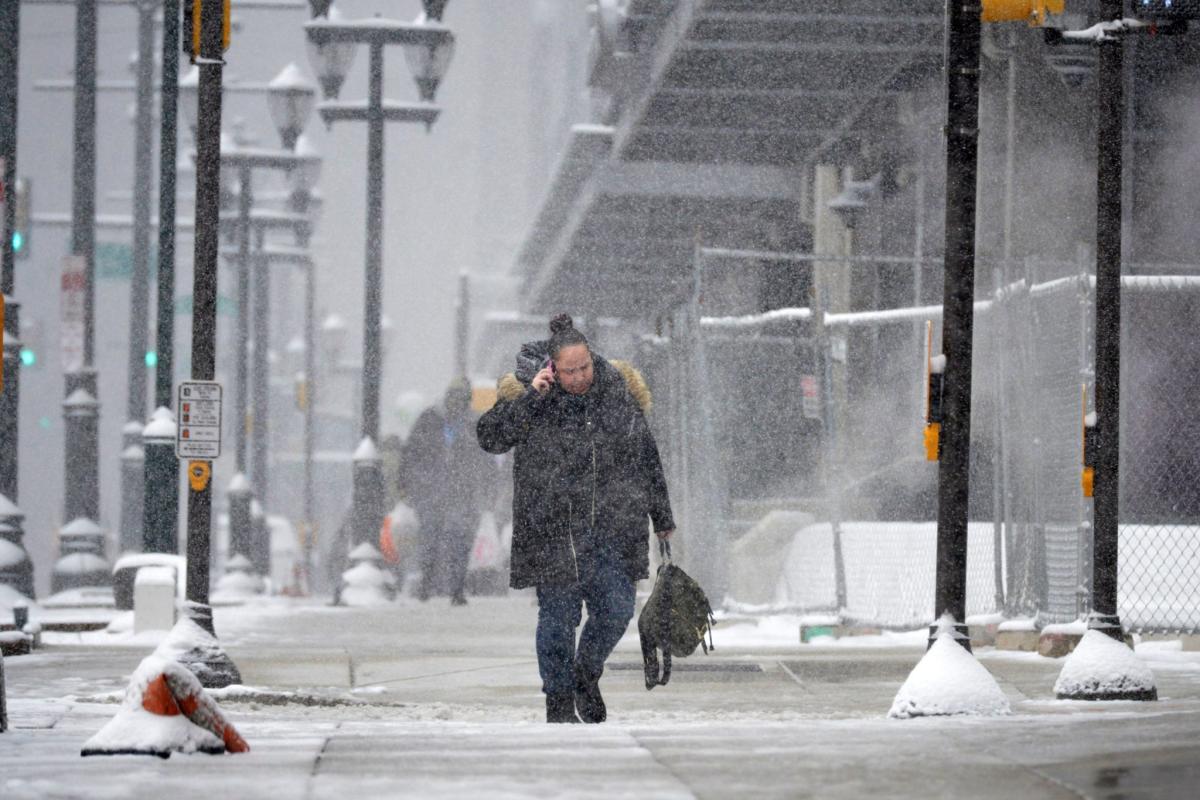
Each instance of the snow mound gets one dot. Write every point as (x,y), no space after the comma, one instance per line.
(948,681)
(134,730)
(200,652)
(1101,668)
(239,585)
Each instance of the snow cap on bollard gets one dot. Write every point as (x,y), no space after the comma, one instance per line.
(1103,668)
(365,583)
(238,484)
(366,451)
(948,681)
(161,428)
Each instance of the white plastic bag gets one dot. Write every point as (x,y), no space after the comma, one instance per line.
(486,551)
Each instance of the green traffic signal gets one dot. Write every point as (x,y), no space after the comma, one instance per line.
(18,241)
(28,357)
(151,358)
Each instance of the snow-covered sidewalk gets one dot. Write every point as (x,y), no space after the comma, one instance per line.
(425,700)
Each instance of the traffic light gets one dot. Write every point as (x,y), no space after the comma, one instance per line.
(151,359)
(1032,11)
(21,218)
(31,340)
(1166,9)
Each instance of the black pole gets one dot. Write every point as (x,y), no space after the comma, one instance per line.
(139,287)
(241,527)
(374,262)
(310,399)
(82,462)
(10,33)
(83,195)
(160,523)
(962,135)
(81,409)
(164,370)
(210,663)
(133,467)
(204,288)
(1110,118)
(10,30)
(261,555)
(368,478)
(241,393)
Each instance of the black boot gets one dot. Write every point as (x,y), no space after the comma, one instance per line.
(560,708)
(588,701)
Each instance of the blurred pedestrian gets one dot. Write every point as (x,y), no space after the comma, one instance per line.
(587,481)
(447,481)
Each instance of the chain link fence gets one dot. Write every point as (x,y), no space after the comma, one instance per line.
(862,477)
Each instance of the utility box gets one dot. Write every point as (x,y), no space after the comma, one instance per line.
(154,599)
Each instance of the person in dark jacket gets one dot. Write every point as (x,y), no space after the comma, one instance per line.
(447,481)
(587,480)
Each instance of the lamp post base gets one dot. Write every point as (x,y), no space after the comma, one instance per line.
(203,655)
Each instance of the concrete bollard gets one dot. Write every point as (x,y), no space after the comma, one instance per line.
(154,599)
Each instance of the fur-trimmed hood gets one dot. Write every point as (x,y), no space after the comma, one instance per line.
(509,387)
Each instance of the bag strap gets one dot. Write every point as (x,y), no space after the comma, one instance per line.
(664,550)
(665,609)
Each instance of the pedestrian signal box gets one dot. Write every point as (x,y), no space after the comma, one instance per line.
(193,11)
(1032,11)
(935,367)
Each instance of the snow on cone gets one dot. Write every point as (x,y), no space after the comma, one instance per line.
(948,681)
(1102,668)
(165,711)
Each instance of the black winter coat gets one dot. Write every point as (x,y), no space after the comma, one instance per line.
(586,475)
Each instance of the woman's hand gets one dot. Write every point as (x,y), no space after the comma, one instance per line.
(541,381)
(664,535)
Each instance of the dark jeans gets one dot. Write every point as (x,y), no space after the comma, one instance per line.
(609,594)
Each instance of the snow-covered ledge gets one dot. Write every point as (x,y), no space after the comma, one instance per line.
(948,681)
(1103,668)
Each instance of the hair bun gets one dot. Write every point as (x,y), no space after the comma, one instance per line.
(561,323)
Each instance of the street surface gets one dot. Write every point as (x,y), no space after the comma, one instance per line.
(425,700)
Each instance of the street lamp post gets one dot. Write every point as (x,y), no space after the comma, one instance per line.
(290,99)
(297,256)
(160,514)
(428,49)
(245,161)
(10,25)
(18,574)
(132,457)
(81,409)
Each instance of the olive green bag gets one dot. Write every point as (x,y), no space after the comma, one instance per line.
(675,619)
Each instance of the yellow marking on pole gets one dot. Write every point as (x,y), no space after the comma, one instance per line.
(199,473)
(197,16)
